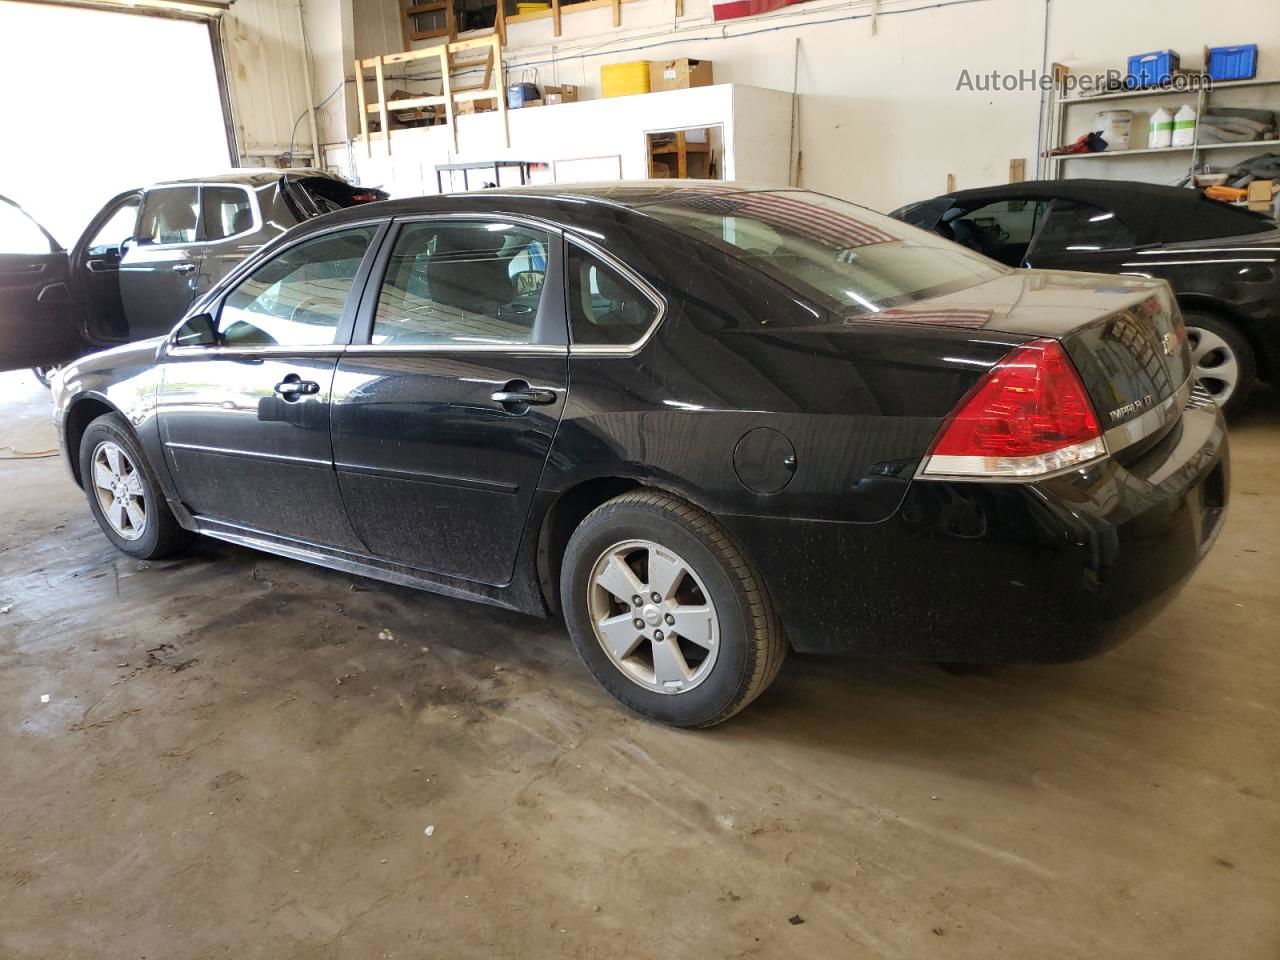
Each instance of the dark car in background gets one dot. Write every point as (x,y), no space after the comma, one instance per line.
(1221,261)
(143,258)
(705,422)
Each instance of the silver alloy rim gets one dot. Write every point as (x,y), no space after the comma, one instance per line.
(118,487)
(1213,363)
(653,616)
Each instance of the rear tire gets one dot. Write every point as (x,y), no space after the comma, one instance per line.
(1222,359)
(703,641)
(124,495)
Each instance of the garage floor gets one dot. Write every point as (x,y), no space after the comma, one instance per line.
(248,757)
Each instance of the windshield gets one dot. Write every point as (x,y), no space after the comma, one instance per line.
(852,260)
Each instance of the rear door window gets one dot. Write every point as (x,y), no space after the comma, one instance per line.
(462,282)
(605,308)
(228,212)
(169,215)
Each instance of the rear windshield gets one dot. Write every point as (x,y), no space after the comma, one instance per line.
(848,258)
(313,196)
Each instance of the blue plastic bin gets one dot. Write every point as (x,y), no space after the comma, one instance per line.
(1233,63)
(1150,69)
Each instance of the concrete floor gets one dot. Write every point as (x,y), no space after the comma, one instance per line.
(236,761)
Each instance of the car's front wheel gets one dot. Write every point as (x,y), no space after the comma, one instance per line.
(123,493)
(667,612)
(1221,359)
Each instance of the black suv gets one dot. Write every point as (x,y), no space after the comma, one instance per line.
(143,258)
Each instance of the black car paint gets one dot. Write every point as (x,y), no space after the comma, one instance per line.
(1235,275)
(858,556)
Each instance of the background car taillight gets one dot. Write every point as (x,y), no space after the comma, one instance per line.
(1029,416)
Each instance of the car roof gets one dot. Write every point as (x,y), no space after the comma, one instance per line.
(252,176)
(555,201)
(1154,212)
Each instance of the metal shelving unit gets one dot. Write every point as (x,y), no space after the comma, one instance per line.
(1060,104)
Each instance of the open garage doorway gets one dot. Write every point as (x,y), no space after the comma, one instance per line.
(98,102)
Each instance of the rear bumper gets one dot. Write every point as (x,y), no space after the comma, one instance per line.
(1003,572)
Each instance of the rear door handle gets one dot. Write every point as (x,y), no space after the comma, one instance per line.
(184,268)
(291,388)
(521,393)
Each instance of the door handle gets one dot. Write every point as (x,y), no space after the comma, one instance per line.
(519,393)
(291,388)
(186,269)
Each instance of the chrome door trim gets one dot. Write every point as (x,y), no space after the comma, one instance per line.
(250,454)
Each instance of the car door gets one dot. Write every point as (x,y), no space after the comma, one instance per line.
(96,267)
(244,414)
(447,401)
(230,221)
(1079,236)
(159,272)
(39,322)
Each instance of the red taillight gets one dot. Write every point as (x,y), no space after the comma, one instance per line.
(363,197)
(1029,416)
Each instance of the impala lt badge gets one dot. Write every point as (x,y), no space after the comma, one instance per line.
(1170,343)
(1142,403)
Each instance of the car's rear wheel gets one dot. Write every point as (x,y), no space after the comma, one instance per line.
(123,493)
(1221,359)
(667,612)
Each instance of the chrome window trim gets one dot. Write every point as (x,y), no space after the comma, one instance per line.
(549,349)
(654,297)
(267,350)
(520,218)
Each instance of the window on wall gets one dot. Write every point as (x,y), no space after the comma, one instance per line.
(297,297)
(605,308)
(169,215)
(462,282)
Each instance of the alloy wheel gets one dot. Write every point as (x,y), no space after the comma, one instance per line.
(118,487)
(1213,363)
(653,616)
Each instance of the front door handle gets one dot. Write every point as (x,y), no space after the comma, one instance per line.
(186,269)
(291,387)
(519,393)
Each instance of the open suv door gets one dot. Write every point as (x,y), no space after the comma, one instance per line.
(39,325)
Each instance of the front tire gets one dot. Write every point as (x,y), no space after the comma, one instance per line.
(667,612)
(1222,359)
(124,495)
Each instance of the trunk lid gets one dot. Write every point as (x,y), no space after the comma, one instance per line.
(1124,335)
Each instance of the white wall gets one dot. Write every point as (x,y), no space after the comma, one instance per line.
(881,120)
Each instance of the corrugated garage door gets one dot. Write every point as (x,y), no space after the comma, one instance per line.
(97,102)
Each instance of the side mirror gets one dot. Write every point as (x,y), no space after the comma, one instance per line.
(199,331)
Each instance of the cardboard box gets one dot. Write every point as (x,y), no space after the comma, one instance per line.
(565,93)
(679,74)
(1259,197)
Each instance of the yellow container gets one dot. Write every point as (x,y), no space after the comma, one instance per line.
(624,79)
(531,7)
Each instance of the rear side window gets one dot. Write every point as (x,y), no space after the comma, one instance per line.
(605,308)
(169,215)
(1070,226)
(227,212)
(463,283)
(297,297)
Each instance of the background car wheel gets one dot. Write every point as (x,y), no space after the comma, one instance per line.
(666,611)
(1221,359)
(123,493)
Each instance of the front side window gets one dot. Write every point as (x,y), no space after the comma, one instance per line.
(297,297)
(19,234)
(227,212)
(1001,230)
(851,259)
(1074,227)
(462,282)
(118,227)
(605,308)
(169,215)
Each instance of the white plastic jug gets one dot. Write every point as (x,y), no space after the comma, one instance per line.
(1184,126)
(1161,129)
(1116,127)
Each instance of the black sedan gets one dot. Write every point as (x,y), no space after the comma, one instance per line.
(1223,262)
(143,258)
(704,423)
